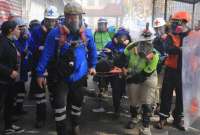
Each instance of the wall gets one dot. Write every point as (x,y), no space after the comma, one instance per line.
(34,9)
(10,6)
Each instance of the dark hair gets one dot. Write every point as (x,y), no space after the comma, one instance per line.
(7,26)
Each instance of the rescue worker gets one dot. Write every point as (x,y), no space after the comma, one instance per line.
(113,50)
(33,24)
(120,40)
(112,31)
(172,77)
(159,27)
(39,35)
(24,45)
(158,43)
(101,35)
(65,50)
(9,73)
(141,80)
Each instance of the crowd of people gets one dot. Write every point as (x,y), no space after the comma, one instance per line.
(61,52)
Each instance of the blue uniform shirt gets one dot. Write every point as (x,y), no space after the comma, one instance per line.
(85,55)
(115,47)
(25,47)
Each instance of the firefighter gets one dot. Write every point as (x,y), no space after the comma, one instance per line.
(39,35)
(24,45)
(65,51)
(172,77)
(9,73)
(159,25)
(101,35)
(141,80)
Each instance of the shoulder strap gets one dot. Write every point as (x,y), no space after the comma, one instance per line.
(64,31)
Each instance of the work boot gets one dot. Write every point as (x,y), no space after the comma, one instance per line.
(40,124)
(132,123)
(145,131)
(76,130)
(13,130)
(179,124)
(161,124)
(20,112)
(98,110)
(116,115)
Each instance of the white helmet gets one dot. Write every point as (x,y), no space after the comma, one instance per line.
(158,22)
(102,20)
(51,12)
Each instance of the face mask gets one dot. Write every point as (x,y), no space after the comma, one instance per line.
(144,49)
(73,22)
(141,54)
(101,27)
(177,27)
(25,36)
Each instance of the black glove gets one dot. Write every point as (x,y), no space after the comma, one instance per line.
(139,78)
(121,61)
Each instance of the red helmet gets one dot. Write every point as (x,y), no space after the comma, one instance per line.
(181,15)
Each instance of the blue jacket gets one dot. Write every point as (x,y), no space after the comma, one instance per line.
(119,48)
(85,55)
(39,37)
(25,47)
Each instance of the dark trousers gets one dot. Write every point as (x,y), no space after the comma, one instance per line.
(40,96)
(67,99)
(8,94)
(172,81)
(21,92)
(118,85)
(1,99)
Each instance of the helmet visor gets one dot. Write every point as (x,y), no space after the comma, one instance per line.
(102,27)
(144,48)
(73,22)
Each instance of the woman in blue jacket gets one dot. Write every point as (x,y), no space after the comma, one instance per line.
(25,47)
